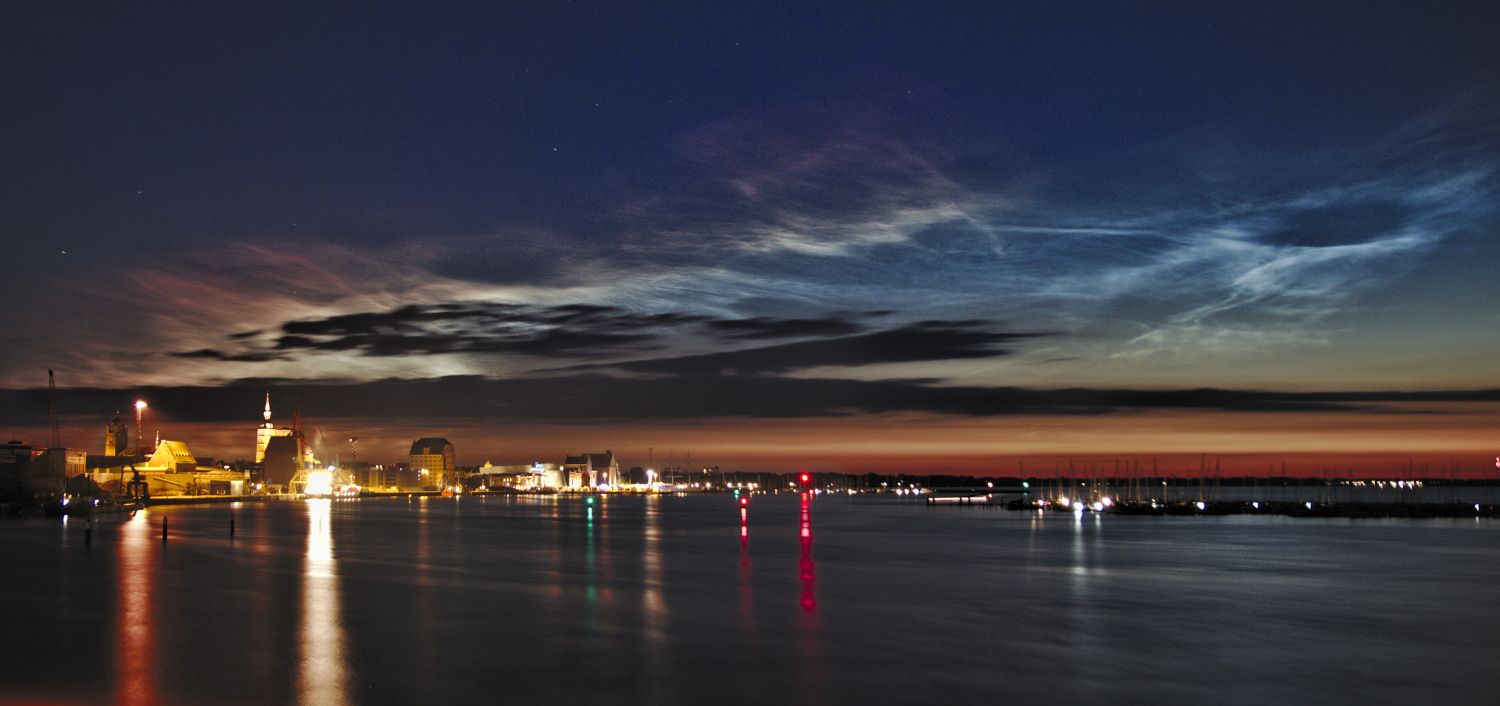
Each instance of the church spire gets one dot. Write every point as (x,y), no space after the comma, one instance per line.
(268,406)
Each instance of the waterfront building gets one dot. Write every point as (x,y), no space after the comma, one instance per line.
(533,476)
(283,456)
(367,475)
(171,469)
(38,470)
(433,462)
(15,466)
(264,434)
(172,457)
(591,470)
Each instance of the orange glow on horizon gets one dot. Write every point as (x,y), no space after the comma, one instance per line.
(1435,435)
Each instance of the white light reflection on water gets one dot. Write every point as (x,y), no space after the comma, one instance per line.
(424,607)
(322,675)
(136,650)
(653,605)
(1083,606)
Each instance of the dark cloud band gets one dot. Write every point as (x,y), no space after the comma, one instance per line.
(603,398)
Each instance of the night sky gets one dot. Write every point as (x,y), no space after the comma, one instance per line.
(831,235)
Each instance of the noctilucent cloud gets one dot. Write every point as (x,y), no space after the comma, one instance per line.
(556,213)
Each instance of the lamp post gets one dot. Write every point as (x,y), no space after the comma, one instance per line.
(140,407)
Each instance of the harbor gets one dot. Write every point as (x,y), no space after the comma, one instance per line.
(826,598)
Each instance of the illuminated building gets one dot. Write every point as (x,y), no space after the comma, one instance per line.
(264,434)
(368,475)
(171,457)
(116,438)
(592,470)
(535,476)
(433,462)
(171,469)
(287,455)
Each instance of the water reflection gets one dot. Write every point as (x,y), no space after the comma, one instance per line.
(807,569)
(590,572)
(321,678)
(747,614)
(1083,609)
(606,575)
(136,651)
(810,641)
(653,605)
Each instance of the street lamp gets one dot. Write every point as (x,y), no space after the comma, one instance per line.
(140,406)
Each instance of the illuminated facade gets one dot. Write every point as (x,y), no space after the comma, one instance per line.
(265,433)
(591,470)
(171,457)
(172,469)
(433,463)
(116,438)
(536,476)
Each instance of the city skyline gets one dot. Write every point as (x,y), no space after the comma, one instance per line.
(837,237)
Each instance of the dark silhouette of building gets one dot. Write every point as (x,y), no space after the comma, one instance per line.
(282,453)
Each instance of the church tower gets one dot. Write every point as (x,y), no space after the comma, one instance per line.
(264,433)
(116,438)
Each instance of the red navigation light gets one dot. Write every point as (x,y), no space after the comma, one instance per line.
(804,478)
(744,502)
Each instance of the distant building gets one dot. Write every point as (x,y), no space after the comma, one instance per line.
(264,434)
(27,470)
(535,476)
(433,462)
(287,455)
(591,470)
(281,457)
(368,475)
(171,469)
(171,457)
(116,438)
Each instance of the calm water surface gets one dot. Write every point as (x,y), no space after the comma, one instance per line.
(687,600)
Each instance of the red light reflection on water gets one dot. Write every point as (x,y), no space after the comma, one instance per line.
(136,651)
(810,647)
(807,569)
(746,604)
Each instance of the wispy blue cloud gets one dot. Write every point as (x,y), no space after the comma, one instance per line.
(859,214)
